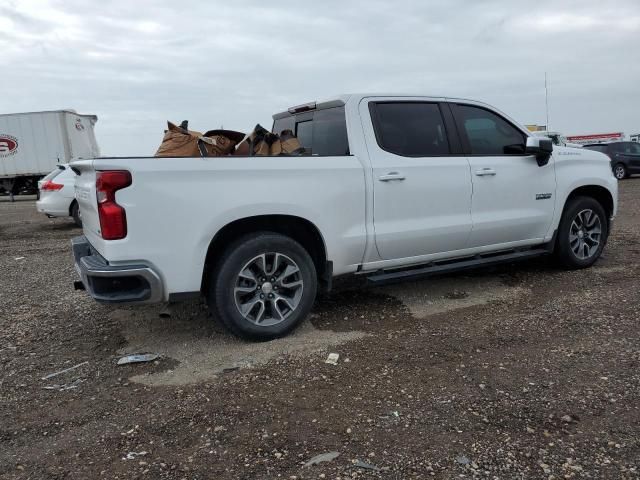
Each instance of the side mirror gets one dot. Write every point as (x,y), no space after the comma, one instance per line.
(541,148)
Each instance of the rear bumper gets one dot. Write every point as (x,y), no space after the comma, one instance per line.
(114,283)
(53,208)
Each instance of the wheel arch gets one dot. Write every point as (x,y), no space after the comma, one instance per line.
(601,194)
(73,202)
(300,229)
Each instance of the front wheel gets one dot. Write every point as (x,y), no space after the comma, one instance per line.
(582,233)
(263,287)
(620,171)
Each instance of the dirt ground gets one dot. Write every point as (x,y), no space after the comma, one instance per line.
(522,371)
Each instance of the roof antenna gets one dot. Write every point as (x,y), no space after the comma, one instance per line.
(546,100)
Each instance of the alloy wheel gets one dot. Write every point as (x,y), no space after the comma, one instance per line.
(585,234)
(268,289)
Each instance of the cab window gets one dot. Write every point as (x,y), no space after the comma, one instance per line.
(488,133)
(410,129)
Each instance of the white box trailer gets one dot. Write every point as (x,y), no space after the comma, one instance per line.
(33,143)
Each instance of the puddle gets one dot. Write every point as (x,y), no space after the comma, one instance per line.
(442,294)
(203,350)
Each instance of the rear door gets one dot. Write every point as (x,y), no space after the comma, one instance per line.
(421,180)
(629,153)
(513,197)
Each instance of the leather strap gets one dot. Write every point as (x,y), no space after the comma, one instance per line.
(202,146)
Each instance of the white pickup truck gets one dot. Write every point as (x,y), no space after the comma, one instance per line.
(393,187)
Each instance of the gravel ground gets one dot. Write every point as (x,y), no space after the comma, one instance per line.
(522,371)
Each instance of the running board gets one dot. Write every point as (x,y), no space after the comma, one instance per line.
(438,268)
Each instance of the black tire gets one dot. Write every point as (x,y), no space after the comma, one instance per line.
(75,213)
(566,248)
(620,171)
(223,299)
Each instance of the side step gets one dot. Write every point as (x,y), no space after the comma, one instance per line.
(438,268)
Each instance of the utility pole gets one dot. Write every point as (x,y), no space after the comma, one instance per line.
(546,100)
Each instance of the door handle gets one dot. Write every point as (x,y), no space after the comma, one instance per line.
(485,172)
(391,176)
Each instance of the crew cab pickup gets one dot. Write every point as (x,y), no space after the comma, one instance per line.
(393,187)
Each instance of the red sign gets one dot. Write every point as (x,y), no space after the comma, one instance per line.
(8,145)
(596,136)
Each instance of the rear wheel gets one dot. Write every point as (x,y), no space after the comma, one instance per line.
(582,233)
(75,213)
(620,171)
(263,287)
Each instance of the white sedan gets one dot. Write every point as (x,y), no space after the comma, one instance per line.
(57,194)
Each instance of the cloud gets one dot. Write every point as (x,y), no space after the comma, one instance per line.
(138,64)
(565,22)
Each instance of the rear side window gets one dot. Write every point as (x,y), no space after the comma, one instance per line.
(488,133)
(320,132)
(410,129)
(630,147)
(55,173)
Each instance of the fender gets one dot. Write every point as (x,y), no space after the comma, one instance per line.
(577,168)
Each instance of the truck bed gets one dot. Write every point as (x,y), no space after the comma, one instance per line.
(181,203)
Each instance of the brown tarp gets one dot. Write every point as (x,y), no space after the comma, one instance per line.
(181,142)
(262,142)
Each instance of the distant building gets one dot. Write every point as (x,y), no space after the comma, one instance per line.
(536,128)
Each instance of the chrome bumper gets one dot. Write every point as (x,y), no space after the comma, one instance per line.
(114,283)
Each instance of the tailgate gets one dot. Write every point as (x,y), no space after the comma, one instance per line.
(85,189)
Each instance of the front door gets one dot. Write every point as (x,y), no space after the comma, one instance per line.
(513,198)
(421,182)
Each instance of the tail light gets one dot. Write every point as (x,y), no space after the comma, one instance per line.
(49,186)
(113,218)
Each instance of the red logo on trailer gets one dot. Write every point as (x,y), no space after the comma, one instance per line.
(8,145)
(79,125)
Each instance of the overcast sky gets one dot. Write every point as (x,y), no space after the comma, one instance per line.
(138,63)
